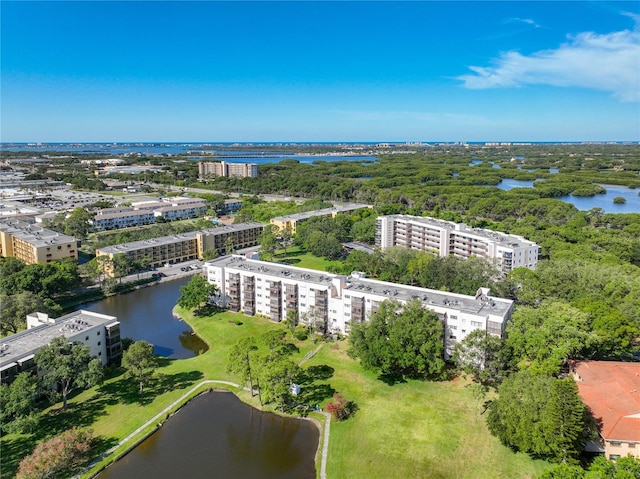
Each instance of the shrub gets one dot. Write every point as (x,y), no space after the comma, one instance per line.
(301,334)
(341,409)
(57,456)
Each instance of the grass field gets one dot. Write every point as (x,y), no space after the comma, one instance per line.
(412,429)
(297,257)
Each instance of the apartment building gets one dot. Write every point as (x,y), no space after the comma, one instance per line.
(186,246)
(611,389)
(33,244)
(292,221)
(124,219)
(180,212)
(147,212)
(100,332)
(336,302)
(210,169)
(446,238)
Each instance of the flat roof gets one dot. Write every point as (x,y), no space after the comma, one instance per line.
(612,390)
(326,211)
(435,298)
(164,240)
(493,236)
(123,214)
(19,346)
(34,234)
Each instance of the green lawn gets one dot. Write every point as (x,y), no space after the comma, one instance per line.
(297,257)
(413,429)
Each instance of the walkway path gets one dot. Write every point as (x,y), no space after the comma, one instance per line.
(171,407)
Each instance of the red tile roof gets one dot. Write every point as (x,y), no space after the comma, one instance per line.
(612,390)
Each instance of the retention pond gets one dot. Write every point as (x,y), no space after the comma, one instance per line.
(218,436)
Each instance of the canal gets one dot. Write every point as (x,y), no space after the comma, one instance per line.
(218,436)
(146,314)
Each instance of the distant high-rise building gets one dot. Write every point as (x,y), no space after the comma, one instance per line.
(209,169)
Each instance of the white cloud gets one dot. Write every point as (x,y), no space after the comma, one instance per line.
(608,62)
(528,21)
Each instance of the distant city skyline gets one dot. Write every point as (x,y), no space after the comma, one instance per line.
(309,72)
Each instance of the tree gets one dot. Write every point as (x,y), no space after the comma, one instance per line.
(121,265)
(275,376)
(67,365)
(58,456)
(564,420)
(268,242)
(540,415)
(341,409)
(140,362)
(77,223)
(14,310)
(195,293)
(482,355)
(400,340)
(239,361)
(544,338)
(17,401)
(209,254)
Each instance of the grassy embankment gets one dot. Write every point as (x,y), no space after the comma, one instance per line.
(411,429)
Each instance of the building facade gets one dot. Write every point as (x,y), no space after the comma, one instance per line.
(100,332)
(186,246)
(292,221)
(335,302)
(446,238)
(33,244)
(611,389)
(211,169)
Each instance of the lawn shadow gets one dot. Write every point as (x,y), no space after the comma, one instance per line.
(79,414)
(289,261)
(313,394)
(13,451)
(207,310)
(162,383)
(392,378)
(127,390)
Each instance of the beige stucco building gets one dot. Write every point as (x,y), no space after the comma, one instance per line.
(33,244)
(186,246)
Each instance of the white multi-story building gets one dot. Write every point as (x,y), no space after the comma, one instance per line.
(100,332)
(337,301)
(446,238)
(124,219)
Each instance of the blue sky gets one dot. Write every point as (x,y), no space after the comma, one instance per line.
(319,71)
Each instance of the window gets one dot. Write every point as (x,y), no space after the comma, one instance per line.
(453,316)
(60,247)
(86,338)
(613,457)
(98,333)
(99,343)
(615,443)
(632,445)
(476,324)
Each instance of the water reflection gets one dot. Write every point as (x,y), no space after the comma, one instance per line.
(146,314)
(218,436)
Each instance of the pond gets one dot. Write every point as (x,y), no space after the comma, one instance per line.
(146,314)
(604,201)
(218,436)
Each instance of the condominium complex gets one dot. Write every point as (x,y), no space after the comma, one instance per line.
(446,238)
(33,244)
(336,301)
(209,169)
(147,212)
(186,246)
(293,220)
(100,332)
